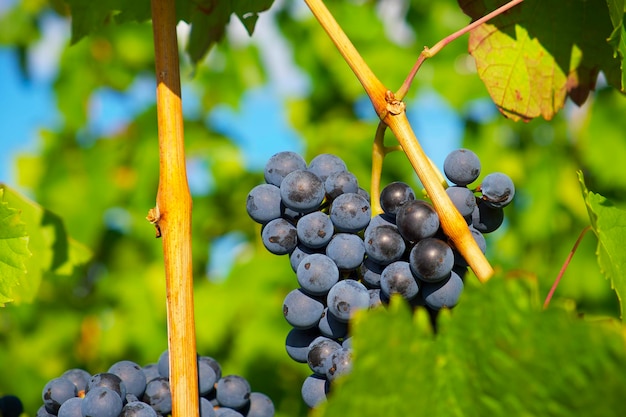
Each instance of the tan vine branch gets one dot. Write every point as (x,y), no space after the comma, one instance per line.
(392,112)
(430,52)
(172,214)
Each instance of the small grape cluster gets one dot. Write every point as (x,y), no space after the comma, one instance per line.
(129,390)
(346,260)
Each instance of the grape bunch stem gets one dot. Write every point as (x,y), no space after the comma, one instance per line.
(391,111)
(172,214)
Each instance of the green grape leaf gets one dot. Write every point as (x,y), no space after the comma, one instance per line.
(618,37)
(14,251)
(208,18)
(53,251)
(498,353)
(609,224)
(537,54)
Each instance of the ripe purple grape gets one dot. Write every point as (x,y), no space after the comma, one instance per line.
(461,166)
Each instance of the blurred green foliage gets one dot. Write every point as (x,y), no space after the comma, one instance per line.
(102,188)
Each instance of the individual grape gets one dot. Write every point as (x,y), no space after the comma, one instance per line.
(417,220)
(132,375)
(346,250)
(340,182)
(461,166)
(139,409)
(393,196)
(299,253)
(164,364)
(281,164)
(298,341)
(279,236)
(151,371)
(233,391)
(485,218)
(302,191)
(325,164)
(384,244)
(319,350)
(101,401)
(339,363)
(260,406)
(42,412)
(363,193)
(315,229)
(444,293)
(497,190)
(227,412)
(346,297)
(397,278)
(463,199)
(70,408)
(431,260)
(79,377)
(347,343)
(317,273)
(370,272)
(330,327)
(206,408)
(217,368)
(314,390)
(263,203)
(11,406)
(301,310)
(159,395)
(108,380)
(375,297)
(350,213)
(206,375)
(56,392)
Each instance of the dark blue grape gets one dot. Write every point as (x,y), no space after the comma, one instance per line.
(206,375)
(487,219)
(384,244)
(314,390)
(11,406)
(317,273)
(206,408)
(302,191)
(298,341)
(132,375)
(70,408)
(263,203)
(463,199)
(138,409)
(375,297)
(279,236)
(301,310)
(233,391)
(315,229)
(159,395)
(370,272)
(339,364)
(346,297)
(151,371)
(299,253)
(497,190)
(346,250)
(446,293)
(330,327)
(79,377)
(319,350)
(101,401)
(325,164)
(56,392)
(108,380)
(350,213)
(393,196)
(397,278)
(461,166)
(164,364)
(260,406)
(281,164)
(431,260)
(417,220)
(340,182)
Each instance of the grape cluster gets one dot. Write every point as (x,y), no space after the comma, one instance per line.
(129,390)
(347,260)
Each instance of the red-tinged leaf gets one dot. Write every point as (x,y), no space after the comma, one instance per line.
(537,54)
